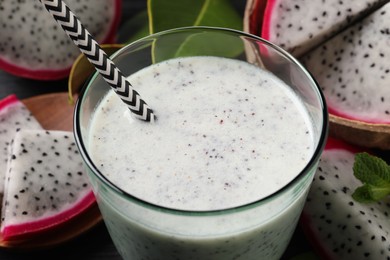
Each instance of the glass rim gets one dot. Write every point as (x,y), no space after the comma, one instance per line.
(126,195)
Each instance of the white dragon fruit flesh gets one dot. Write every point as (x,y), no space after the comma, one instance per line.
(14,116)
(45,184)
(338,226)
(33,45)
(299,25)
(353,69)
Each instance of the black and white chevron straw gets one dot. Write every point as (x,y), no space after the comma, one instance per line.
(103,64)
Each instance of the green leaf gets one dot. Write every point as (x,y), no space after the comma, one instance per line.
(134,28)
(362,194)
(378,193)
(168,14)
(371,170)
(201,43)
(369,193)
(374,173)
(164,15)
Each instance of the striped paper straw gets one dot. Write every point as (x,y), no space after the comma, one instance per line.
(103,64)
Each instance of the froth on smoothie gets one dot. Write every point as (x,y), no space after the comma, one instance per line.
(227,133)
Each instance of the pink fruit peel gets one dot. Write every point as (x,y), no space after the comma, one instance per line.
(46,52)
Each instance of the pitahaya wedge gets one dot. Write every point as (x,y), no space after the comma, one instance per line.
(33,45)
(14,116)
(358,103)
(338,226)
(299,25)
(45,184)
(353,69)
(253,16)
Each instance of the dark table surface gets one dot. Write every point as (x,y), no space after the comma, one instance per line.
(96,243)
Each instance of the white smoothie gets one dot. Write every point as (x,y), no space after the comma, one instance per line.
(227,134)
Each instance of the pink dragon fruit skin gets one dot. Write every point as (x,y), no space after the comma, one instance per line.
(299,25)
(353,69)
(34,46)
(45,184)
(14,116)
(337,226)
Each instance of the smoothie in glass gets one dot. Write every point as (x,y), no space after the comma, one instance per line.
(227,134)
(224,170)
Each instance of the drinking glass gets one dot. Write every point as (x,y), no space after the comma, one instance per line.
(258,230)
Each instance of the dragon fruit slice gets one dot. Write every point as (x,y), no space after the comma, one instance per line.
(33,45)
(353,69)
(45,184)
(253,16)
(338,226)
(13,116)
(299,25)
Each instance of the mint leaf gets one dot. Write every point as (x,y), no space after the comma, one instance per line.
(368,193)
(371,169)
(362,194)
(378,193)
(374,173)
